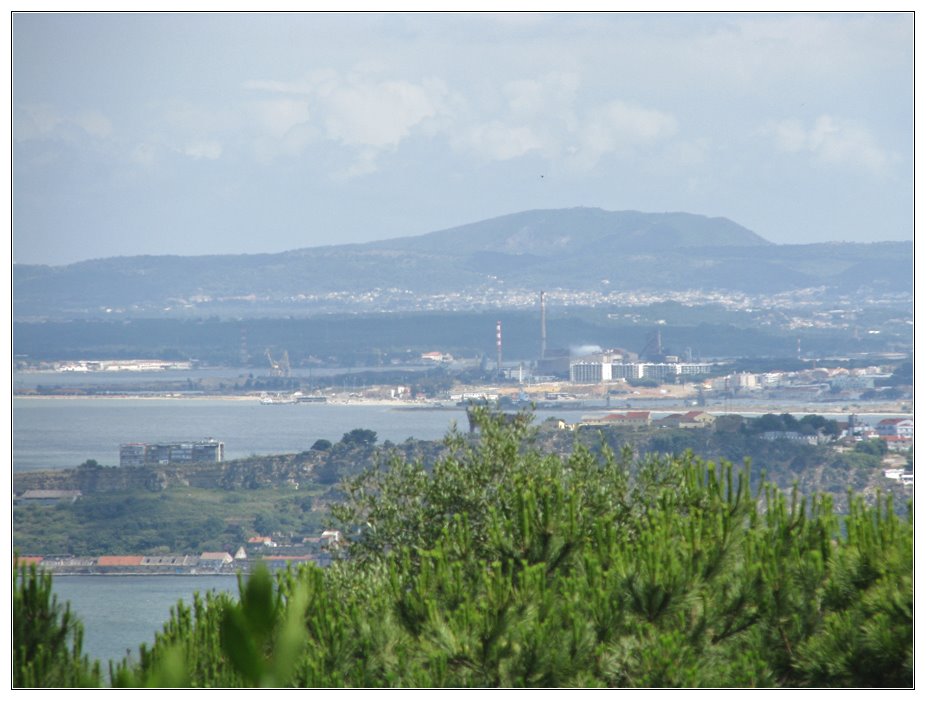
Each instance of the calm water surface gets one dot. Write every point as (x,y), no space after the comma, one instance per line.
(121,613)
(51,433)
(54,433)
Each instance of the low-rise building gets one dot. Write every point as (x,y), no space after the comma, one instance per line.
(330,539)
(261,541)
(169,562)
(216,558)
(794,437)
(27,560)
(437,357)
(48,496)
(895,428)
(119,561)
(690,419)
(635,419)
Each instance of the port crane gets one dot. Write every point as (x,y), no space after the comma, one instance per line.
(278,368)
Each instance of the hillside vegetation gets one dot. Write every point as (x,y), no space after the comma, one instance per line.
(503,566)
(191,508)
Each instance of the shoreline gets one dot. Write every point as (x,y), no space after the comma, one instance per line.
(58,573)
(900,408)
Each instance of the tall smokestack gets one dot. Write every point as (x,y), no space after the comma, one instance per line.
(498,344)
(543,327)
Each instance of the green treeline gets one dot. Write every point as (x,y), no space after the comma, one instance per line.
(505,567)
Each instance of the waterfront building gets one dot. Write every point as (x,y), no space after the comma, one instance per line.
(691,419)
(587,372)
(169,562)
(137,454)
(612,366)
(215,559)
(109,562)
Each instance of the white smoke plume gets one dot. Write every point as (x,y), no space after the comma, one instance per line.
(587,349)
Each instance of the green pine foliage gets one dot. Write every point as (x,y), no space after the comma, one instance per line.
(503,567)
(47,638)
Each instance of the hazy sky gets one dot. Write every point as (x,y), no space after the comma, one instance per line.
(243,133)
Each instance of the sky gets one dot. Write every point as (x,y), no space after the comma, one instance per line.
(209,133)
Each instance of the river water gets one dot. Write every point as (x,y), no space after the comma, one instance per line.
(121,613)
(62,433)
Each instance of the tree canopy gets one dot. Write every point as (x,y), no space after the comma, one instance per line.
(505,567)
(363,437)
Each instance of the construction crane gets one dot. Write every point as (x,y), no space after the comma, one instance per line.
(278,368)
(653,348)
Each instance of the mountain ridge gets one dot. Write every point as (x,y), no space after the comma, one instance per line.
(576,249)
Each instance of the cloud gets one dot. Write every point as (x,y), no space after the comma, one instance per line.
(498,141)
(378,115)
(789,134)
(794,49)
(145,153)
(364,163)
(93,123)
(679,156)
(619,127)
(279,116)
(358,110)
(831,141)
(209,150)
(544,98)
(42,121)
(277,86)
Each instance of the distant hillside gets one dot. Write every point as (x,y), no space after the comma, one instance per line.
(560,232)
(575,249)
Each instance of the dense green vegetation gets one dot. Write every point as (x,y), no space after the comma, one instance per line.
(504,566)
(176,520)
(288,495)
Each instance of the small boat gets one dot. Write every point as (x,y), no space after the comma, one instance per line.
(277,399)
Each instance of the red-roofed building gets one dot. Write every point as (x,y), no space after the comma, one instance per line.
(26,560)
(119,561)
(630,418)
(265,540)
(896,428)
(691,419)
